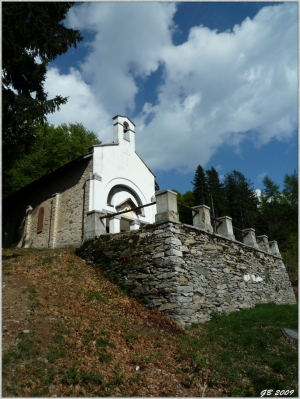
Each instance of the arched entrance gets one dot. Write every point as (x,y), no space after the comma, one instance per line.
(121,198)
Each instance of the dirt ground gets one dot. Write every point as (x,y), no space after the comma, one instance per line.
(67,331)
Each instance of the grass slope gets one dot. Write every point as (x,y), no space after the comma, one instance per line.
(68,331)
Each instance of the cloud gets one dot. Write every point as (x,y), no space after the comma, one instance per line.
(246,83)
(82,106)
(129,41)
(261,176)
(216,88)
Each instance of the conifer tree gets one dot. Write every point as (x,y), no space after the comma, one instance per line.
(200,188)
(33,36)
(240,199)
(216,193)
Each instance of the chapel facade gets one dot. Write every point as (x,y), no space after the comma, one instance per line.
(72,204)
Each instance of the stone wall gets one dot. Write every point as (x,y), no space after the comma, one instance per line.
(64,195)
(188,273)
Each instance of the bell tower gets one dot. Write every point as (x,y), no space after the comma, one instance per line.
(124,131)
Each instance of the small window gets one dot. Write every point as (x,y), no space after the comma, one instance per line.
(40,224)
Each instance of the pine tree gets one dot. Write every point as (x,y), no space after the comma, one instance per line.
(240,199)
(33,36)
(200,189)
(216,193)
(278,211)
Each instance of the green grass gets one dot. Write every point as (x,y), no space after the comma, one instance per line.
(96,296)
(245,350)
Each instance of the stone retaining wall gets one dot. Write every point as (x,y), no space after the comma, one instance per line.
(188,273)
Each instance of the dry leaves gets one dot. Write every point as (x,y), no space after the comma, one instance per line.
(85,338)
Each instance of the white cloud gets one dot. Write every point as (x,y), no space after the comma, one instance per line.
(82,106)
(129,41)
(218,88)
(247,81)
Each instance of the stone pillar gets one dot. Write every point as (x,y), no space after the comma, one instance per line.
(95,225)
(166,206)
(28,227)
(274,250)
(55,205)
(134,225)
(225,229)
(202,218)
(263,243)
(114,224)
(250,238)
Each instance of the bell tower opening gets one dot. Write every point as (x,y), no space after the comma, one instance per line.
(126,131)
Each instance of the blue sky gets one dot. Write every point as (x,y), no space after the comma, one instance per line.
(206,83)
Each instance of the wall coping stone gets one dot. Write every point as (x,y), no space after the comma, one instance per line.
(213,234)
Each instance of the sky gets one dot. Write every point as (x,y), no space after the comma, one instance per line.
(206,83)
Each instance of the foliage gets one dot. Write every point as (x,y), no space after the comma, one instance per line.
(200,188)
(235,197)
(278,216)
(53,147)
(216,190)
(274,214)
(241,200)
(33,36)
(188,199)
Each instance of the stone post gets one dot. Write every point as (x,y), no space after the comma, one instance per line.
(95,225)
(134,225)
(250,238)
(263,243)
(166,206)
(202,218)
(114,224)
(274,250)
(225,229)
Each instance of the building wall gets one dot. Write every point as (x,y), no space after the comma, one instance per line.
(64,214)
(188,273)
(118,164)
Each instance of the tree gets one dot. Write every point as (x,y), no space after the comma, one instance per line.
(52,148)
(216,193)
(200,189)
(241,200)
(270,209)
(278,219)
(33,36)
(185,215)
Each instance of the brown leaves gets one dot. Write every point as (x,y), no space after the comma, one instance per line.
(85,341)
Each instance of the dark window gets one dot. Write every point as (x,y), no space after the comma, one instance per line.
(40,224)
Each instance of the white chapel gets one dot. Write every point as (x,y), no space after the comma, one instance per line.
(75,202)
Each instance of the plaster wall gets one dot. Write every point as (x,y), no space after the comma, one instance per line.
(118,164)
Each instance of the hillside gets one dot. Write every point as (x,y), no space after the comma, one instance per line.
(68,331)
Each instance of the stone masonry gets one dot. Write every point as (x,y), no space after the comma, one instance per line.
(188,273)
(65,199)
